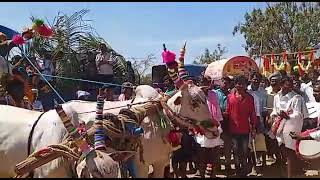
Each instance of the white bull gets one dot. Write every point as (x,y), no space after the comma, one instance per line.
(188,101)
(15,128)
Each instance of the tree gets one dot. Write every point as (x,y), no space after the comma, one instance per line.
(207,58)
(141,67)
(289,26)
(73,47)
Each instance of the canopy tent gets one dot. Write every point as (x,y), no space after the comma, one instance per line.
(8,32)
(231,67)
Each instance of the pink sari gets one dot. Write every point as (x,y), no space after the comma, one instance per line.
(214,107)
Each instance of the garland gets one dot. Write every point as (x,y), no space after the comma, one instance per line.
(38,27)
(303,68)
(283,65)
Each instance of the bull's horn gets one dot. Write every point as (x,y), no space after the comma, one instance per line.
(67,122)
(169,59)
(99,137)
(183,74)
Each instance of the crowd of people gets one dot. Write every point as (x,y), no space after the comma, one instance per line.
(266,110)
(22,86)
(256,117)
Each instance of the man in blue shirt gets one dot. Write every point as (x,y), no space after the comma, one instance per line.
(222,93)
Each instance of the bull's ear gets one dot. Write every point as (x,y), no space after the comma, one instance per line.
(177,101)
(122,156)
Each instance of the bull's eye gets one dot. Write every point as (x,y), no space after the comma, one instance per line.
(194,103)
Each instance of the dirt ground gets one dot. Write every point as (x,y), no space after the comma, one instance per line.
(271,171)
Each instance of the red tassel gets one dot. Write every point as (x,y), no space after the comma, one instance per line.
(272,58)
(284,56)
(299,56)
(301,72)
(266,63)
(44,31)
(311,56)
(17,40)
(173,138)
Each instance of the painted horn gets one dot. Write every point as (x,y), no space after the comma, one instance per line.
(183,74)
(172,66)
(81,142)
(67,123)
(99,137)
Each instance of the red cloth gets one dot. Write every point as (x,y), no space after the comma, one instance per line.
(240,112)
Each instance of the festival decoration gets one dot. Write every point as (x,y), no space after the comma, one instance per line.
(27,34)
(284,65)
(302,68)
(266,65)
(17,40)
(44,31)
(41,28)
(38,27)
(168,56)
(272,62)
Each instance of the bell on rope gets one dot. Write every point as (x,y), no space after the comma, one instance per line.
(138,131)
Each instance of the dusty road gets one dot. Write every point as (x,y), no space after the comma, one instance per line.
(271,171)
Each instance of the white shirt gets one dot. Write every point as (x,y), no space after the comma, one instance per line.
(308,90)
(82,93)
(294,102)
(209,143)
(106,68)
(315,135)
(46,68)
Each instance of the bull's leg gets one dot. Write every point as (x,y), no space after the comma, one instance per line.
(183,169)
(175,168)
(167,173)
(141,169)
(158,168)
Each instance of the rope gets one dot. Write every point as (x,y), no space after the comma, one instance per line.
(42,75)
(121,106)
(85,80)
(45,156)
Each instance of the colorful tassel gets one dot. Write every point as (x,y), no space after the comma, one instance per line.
(67,123)
(183,74)
(311,56)
(99,137)
(167,56)
(172,67)
(17,40)
(37,22)
(44,31)
(27,34)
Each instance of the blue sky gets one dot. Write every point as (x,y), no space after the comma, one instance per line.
(138,29)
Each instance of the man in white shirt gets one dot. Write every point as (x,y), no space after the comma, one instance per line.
(289,106)
(104,64)
(46,95)
(307,87)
